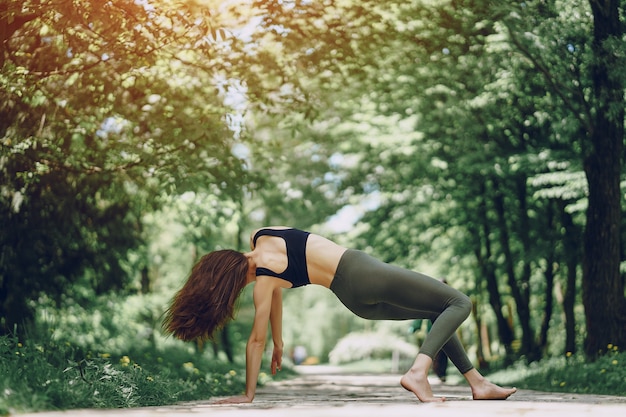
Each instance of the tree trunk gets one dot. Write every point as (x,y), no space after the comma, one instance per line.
(542,343)
(480,356)
(519,294)
(487,269)
(145,280)
(603,288)
(571,247)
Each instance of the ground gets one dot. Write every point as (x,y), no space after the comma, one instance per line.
(320,392)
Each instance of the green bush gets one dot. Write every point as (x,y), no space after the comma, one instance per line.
(49,374)
(573,373)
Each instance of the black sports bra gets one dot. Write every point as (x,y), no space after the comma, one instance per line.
(295,240)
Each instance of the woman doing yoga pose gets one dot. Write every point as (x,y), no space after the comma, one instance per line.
(283,257)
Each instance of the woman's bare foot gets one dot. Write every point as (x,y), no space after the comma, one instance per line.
(486,390)
(418,384)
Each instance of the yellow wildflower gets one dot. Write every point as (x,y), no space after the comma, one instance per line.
(189,367)
(125,361)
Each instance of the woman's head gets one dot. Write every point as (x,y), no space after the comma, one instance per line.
(207,300)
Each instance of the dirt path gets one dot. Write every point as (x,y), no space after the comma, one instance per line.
(329,394)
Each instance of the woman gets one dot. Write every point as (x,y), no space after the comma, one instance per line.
(284,257)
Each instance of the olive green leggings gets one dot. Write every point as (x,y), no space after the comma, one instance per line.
(378,291)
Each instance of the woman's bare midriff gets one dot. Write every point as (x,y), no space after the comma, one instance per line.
(322,257)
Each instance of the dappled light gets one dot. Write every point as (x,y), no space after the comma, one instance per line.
(472,141)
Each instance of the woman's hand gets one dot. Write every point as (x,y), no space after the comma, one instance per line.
(277,359)
(240,399)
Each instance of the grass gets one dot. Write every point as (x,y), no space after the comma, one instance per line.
(571,374)
(52,375)
(48,374)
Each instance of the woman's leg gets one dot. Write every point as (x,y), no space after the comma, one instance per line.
(379,291)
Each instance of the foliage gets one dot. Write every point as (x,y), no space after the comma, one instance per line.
(110,354)
(134,137)
(570,373)
(499,111)
(47,374)
(103,109)
(311,312)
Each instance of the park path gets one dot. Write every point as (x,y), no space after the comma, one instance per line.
(320,392)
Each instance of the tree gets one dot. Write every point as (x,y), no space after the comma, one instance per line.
(103,108)
(498,96)
(593,65)
(511,87)
(603,286)
(523,115)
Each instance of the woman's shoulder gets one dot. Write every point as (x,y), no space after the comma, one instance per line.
(274,228)
(256,231)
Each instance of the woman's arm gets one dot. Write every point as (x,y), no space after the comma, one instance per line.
(276,323)
(263,296)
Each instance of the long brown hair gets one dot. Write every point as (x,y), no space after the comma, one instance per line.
(207,300)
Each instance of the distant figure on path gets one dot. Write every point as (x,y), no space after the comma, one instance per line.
(282,257)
